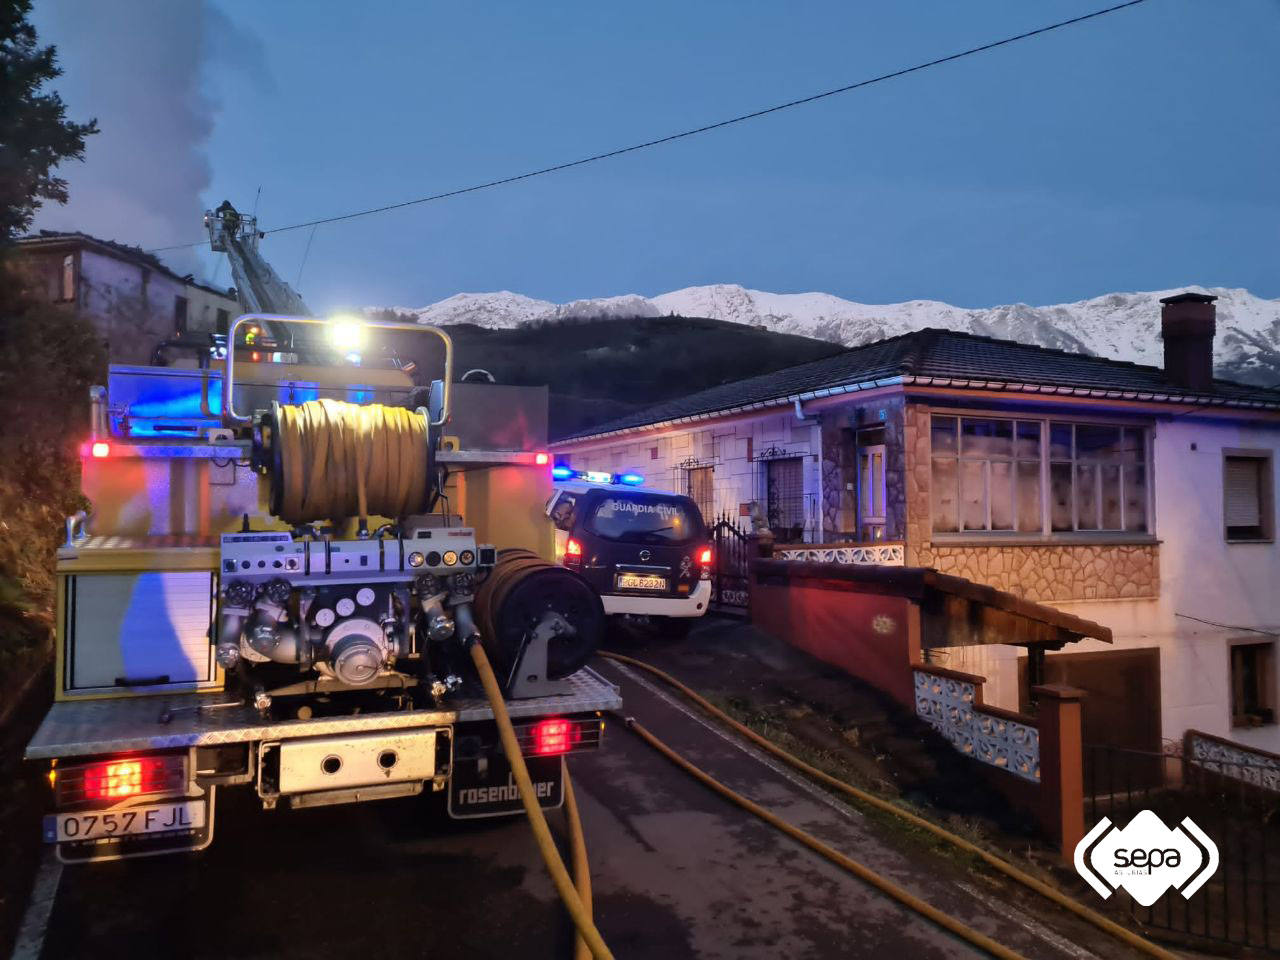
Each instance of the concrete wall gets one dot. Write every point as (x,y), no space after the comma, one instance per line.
(730,446)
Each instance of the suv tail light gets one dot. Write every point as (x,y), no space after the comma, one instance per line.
(705,557)
(572,553)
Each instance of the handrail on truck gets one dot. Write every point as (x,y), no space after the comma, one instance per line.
(232,419)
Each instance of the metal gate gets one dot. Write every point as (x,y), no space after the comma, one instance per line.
(730,585)
(1240,904)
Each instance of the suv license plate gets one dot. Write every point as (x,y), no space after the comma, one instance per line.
(148,818)
(641,581)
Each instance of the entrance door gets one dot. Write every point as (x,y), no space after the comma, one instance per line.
(784,498)
(1123,706)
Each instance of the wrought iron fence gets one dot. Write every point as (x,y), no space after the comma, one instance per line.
(730,582)
(1240,904)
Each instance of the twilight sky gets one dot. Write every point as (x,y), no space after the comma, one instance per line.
(1138,151)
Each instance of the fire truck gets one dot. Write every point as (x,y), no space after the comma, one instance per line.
(290,552)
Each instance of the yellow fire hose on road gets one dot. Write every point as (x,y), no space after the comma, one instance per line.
(1098,920)
(575,903)
(866,874)
(581,868)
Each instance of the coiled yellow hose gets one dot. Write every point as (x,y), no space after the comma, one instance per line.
(341,460)
(1061,899)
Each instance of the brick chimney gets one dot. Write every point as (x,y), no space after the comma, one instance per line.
(1187,325)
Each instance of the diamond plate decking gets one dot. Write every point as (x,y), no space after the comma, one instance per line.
(87,727)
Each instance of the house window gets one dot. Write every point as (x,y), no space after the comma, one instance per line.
(986,475)
(1252,683)
(1037,476)
(1097,478)
(180,314)
(68,277)
(1246,496)
(784,497)
(700,485)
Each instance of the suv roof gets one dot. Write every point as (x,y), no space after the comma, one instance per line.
(586,486)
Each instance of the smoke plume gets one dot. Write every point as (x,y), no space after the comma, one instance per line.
(141,68)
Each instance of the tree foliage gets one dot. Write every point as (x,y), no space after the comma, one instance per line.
(35,134)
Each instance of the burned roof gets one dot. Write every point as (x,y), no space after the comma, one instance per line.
(946,358)
(122,251)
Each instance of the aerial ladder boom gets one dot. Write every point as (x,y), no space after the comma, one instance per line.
(258,287)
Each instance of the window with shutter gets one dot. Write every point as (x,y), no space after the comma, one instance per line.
(1246,502)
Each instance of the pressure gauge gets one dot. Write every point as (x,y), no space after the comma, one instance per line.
(324,617)
(345,607)
(364,596)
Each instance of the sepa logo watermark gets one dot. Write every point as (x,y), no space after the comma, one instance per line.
(1146,858)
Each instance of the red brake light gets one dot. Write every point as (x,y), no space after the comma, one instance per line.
(115,779)
(542,459)
(704,557)
(553,736)
(101,449)
(572,548)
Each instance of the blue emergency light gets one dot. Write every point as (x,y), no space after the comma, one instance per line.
(561,472)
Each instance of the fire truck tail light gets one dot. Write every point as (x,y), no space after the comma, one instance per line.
(101,450)
(120,778)
(553,736)
(123,778)
(541,459)
(704,556)
(572,548)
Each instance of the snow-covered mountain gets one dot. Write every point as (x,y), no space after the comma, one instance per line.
(1122,326)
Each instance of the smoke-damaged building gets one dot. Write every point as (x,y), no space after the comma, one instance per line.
(133,299)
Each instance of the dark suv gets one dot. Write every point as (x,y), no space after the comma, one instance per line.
(646,552)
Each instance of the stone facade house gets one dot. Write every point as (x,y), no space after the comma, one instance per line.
(133,299)
(1142,498)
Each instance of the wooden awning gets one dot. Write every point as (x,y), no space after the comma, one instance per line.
(955,612)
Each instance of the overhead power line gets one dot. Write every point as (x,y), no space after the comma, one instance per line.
(706,128)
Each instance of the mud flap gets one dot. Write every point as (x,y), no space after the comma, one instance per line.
(487,788)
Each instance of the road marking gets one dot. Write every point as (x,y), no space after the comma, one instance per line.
(817,793)
(30,942)
(1042,933)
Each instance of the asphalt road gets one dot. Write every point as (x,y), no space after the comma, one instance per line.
(677,872)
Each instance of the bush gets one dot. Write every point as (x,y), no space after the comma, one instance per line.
(49,357)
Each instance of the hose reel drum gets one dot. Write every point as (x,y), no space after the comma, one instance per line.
(331,460)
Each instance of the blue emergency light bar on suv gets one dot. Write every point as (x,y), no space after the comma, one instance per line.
(596,476)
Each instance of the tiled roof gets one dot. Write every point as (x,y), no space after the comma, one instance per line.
(942,358)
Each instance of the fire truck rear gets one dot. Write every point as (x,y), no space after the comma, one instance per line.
(290,557)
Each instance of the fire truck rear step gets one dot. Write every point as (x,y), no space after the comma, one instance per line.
(95,727)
